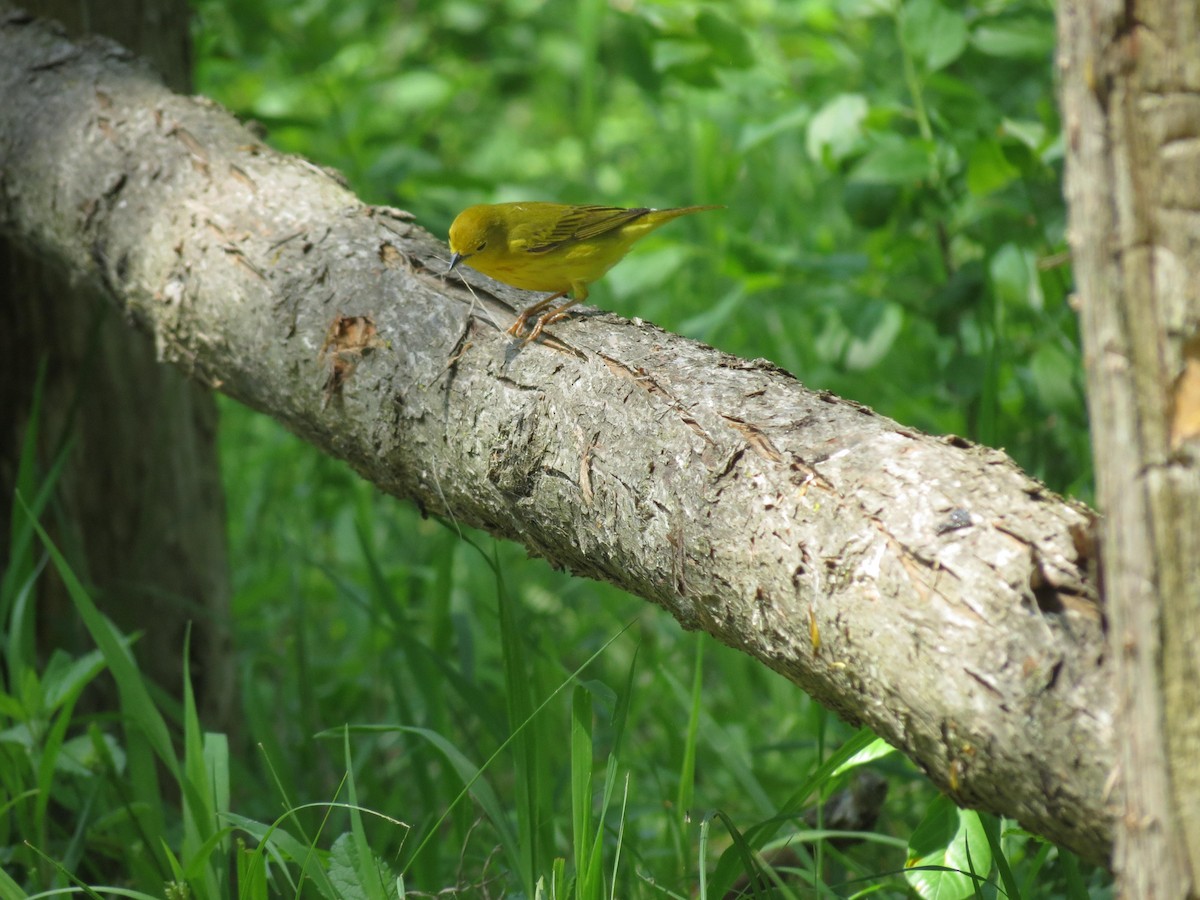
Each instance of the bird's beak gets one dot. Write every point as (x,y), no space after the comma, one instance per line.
(454,261)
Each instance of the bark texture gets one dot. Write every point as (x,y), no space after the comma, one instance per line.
(141,509)
(1131,95)
(921,585)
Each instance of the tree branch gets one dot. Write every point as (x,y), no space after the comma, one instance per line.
(920,585)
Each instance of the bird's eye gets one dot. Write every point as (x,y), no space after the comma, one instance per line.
(482,244)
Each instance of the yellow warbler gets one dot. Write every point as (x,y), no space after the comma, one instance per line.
(551,247)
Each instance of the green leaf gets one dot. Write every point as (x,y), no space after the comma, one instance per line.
(630,50)
(934,35)
(9,889)
(356,878)
(835,132)
(755,133)
(1054,375)
(414,91)
(937,866)
(988,170)
(645,272)
(895,161)
(79,757)
(706,323)
(861,9)
(1025,38)
(728,41)
(1030,133)
(200,822)
(991,829)
(251,874)
(686,60)
(581,791)
(1014,277)
(65,679)
(869,204)
(877,749)
(278,843)
(874,335)
(372,876)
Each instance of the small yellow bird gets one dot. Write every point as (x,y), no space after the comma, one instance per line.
(551,247)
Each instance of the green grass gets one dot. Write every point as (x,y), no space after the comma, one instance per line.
(425,709)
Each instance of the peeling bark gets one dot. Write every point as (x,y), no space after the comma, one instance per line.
(923,586)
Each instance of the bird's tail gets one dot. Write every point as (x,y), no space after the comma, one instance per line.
(668,214)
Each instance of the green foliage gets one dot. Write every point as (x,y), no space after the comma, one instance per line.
(947,852)
(892,174)
(895,229)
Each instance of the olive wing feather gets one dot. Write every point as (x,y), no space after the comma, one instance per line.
(581,223)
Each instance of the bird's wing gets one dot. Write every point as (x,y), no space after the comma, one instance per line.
(580,223)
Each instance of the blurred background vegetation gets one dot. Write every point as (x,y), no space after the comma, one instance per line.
(894,233)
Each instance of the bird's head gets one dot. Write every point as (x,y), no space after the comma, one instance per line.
(478,231)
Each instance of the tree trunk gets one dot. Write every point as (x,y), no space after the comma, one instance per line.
(1131,95)
(140,503)
(920,585)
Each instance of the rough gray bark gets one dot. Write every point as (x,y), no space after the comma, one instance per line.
(1131,96)
(920,585)
(142,509)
